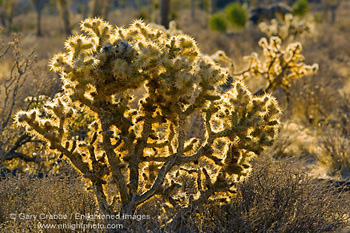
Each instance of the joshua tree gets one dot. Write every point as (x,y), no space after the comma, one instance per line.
(213,6)
(164,13)
(63,6)
(39,6)
(100,8)
(7,12)
(331,5)
(193,9)
(136,87)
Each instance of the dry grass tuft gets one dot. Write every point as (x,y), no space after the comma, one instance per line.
(51,195)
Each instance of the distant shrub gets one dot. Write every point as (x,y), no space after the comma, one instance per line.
(205,5)
(173,15)
(336,157)
(236,15)
(300,7)
(319,17)
(217,22)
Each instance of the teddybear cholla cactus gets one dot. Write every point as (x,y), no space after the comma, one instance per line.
(137,86)
(280,67)
(291,28)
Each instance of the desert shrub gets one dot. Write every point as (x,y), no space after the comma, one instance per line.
(16,146)
(236,15)
(295,141)
(277,197)
(343,113)
(336,157)
(217,22)
(301,7)
(139,144)
(48,196)
(318,17)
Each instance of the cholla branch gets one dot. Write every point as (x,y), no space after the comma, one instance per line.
(291,28)
(279,67)
(138,142)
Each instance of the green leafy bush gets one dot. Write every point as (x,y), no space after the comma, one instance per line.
(236,15)
(300,7)
(217,22)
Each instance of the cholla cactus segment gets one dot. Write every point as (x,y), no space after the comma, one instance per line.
(280,66)
(120,120)
(172,31)
(252,121)
(292,27)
